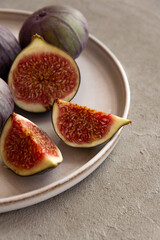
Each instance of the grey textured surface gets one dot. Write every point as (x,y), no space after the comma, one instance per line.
(121,199)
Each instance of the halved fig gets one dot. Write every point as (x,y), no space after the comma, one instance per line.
(25,148)
(79,126)
(42,73)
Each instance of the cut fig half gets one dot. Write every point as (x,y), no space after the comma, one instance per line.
(79,126)
(25,148)
(40,74)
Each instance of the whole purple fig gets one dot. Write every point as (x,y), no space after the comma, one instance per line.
(62,26)
(6,102)
(9,49)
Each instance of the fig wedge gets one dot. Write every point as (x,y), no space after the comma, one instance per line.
(79,126)
(25,148)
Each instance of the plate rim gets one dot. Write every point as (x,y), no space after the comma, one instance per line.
(53,189)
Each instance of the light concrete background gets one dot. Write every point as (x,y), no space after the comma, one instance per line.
(121,199)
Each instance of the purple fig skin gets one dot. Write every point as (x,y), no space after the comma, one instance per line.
(62,26)
(6,102)
(9,49)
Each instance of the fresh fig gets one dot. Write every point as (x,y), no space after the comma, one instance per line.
(26,149)
(9,49)
(79,126)
(42,73)
(6,102)
(62,26)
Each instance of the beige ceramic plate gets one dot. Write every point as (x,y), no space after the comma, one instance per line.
(104,87)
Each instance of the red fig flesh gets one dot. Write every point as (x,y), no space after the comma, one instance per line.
(42,73)
(79,126)
(25,148)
